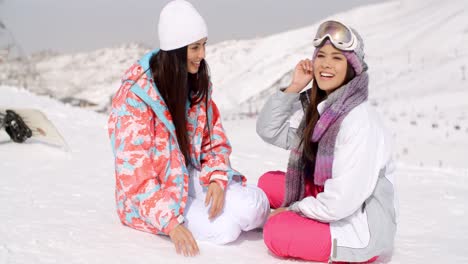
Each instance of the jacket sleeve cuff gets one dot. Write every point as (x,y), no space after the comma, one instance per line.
(287,98)
(221,182)
(175,221)
(294,207)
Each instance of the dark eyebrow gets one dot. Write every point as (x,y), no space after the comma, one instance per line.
(198,44)
(333,53)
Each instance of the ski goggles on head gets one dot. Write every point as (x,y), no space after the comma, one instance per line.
(341,36)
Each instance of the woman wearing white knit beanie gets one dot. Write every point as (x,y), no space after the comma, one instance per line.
(172,168)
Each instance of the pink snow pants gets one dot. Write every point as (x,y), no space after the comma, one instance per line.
(288,234)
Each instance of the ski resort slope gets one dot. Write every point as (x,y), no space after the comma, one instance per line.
(408,42)
(58,206)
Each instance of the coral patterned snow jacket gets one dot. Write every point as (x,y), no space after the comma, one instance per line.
(150,172)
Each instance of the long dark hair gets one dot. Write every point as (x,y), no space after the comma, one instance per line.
(316,96)
(177,85)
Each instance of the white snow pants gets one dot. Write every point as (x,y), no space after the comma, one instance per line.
(245,208)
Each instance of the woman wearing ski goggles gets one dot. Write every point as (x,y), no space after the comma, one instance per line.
(335,202)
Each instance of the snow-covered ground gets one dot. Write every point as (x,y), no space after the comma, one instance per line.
(58,206)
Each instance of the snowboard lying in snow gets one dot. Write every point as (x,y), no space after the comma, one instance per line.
(24,124)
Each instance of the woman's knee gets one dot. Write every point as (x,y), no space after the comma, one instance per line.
(276,236)
(288,234)
(267,181)
(263,181)
(220,230)
(254,209)
(273,183)
(227,233)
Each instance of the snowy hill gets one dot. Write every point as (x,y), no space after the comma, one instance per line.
(413,43)
(415,49)
(91,77)
(409,43)
(58,207)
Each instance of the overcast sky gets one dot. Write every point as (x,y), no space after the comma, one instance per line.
(72,26)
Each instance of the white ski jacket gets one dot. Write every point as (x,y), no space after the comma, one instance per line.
(359,200)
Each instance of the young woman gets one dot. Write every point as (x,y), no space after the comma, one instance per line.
(173,174)
(336,200)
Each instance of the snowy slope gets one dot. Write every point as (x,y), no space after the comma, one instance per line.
(417,64)
(91,77)
(415,50)
(58,207)
(408,43)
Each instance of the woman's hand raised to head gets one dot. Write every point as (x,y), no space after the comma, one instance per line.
(183,241)
(303,74)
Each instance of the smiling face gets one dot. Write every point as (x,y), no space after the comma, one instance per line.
(330,68)
(195,54)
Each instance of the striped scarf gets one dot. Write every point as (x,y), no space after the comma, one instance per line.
(337,106)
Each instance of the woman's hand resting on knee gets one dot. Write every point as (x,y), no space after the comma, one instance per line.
(215,196)
(183,241)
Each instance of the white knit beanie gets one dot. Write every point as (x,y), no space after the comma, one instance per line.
(180,25)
